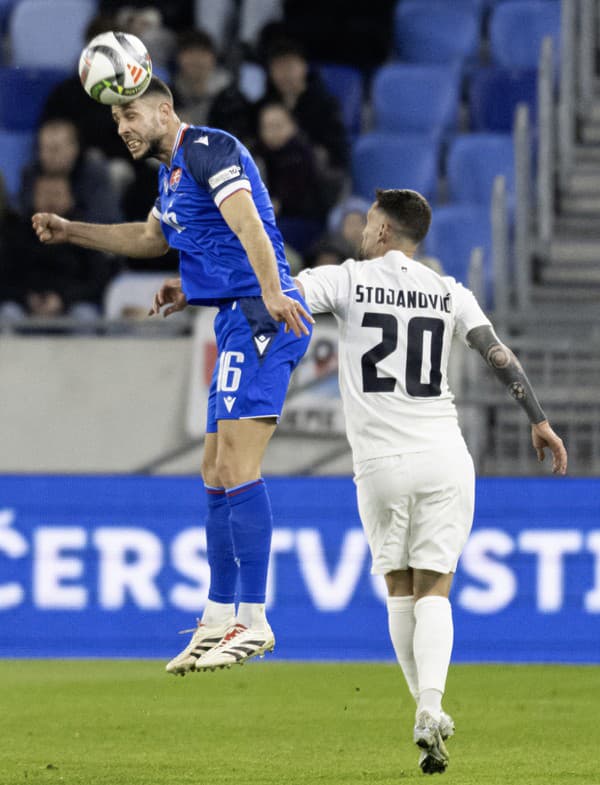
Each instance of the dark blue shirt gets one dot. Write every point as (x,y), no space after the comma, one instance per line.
(207,166)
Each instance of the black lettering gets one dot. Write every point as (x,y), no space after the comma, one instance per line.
(446,306)
(379,295)
(360,295)
(401,301)
(369,290)
(412,299)
(390,297)
(433,298)
(422,300)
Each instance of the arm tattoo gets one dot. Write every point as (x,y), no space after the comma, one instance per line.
(507,369)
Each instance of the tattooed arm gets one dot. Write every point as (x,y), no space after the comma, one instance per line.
(510,373)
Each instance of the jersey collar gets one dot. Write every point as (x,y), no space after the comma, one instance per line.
(178,139)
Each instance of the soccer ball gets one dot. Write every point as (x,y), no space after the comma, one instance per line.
(115,68)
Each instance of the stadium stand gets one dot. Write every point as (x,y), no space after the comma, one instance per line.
(23,94)
(347,85)
(383,160)
(473,162)
(495,92)
(421,98)
(30,22)
(517,30)
(15,151)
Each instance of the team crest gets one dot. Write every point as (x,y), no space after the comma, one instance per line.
(175,178)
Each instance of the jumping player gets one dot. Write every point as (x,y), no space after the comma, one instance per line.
(213,207)
(414,475)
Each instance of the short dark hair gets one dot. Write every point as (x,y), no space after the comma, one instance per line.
(158,87)
(284,47)
(196,39)
(408,209)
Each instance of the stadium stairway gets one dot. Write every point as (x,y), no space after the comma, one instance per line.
(572,263)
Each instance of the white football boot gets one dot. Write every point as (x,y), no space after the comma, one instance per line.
(434,756)
(239,644)
(204,639)
(447,728)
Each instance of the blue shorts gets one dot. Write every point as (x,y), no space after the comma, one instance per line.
(255,360)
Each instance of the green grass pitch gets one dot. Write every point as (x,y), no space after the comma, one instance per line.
(129,723)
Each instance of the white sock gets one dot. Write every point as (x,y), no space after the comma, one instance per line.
(252,614)
(401,624)
(217,613)
(433,640)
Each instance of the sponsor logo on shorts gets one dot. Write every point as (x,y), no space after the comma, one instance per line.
(229,401)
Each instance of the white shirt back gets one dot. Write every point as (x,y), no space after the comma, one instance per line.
(397,319)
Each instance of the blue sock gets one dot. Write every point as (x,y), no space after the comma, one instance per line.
(219,547)
(251,525)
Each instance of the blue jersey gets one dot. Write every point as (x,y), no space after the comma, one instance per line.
(207,166)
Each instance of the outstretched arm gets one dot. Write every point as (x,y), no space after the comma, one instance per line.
(138,240)
(510,373)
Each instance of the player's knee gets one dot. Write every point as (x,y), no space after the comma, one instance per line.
(210,475)
(232,471)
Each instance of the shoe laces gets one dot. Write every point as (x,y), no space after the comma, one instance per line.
(199,623)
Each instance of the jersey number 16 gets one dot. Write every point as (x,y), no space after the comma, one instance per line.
(424,340)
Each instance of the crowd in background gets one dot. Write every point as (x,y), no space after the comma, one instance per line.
(250,68)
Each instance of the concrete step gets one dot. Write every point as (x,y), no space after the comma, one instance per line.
(570,276)
(584,180)
(578,224)
(587,155)
(572,249)
(579,204)
(589,133)
(554,292)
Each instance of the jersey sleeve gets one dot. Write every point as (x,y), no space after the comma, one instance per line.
(469,313)
(326,288)
(214,161)
(156,211)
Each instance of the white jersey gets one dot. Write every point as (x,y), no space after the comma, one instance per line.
(397,319)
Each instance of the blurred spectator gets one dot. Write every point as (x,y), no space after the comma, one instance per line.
(177,15)
(12,248)
(347,220)
(53,280)
(343,238)
(330,32)
(59,153)
(290,170)
(147,24)
(317,112)
(242,20)
(204,92)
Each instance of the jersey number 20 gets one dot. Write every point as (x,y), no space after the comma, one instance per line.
(424,341)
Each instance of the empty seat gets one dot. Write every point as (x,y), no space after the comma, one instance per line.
(16,149)
(473,162)
(455,231)
(130,294)
(384,160)
(23,94)
(518,28)
(346,84)
(49,34)
(493,95)
(410,97)
(434,32)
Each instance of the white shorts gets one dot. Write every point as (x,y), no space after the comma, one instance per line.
(417,508)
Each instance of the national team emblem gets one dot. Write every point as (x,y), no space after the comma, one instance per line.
(175,178)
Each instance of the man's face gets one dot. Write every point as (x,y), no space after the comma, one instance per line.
(276,127)
(372,233)
(58,148)
(196,63)
(139,126)
(288,73)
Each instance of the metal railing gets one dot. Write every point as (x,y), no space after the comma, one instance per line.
(568,89)
(523,188)
(500,251)
(586,56)
(546,158)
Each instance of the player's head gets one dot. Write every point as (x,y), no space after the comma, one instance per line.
(146,124)
(398,219)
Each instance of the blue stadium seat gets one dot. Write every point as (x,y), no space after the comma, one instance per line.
(412,98)
(49,34)
(16,149)
(23,93)
(473,162)
(6,7)
(384,160)
(518,28)
(455,230)
(347,85)
(493,95)
(436,32)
